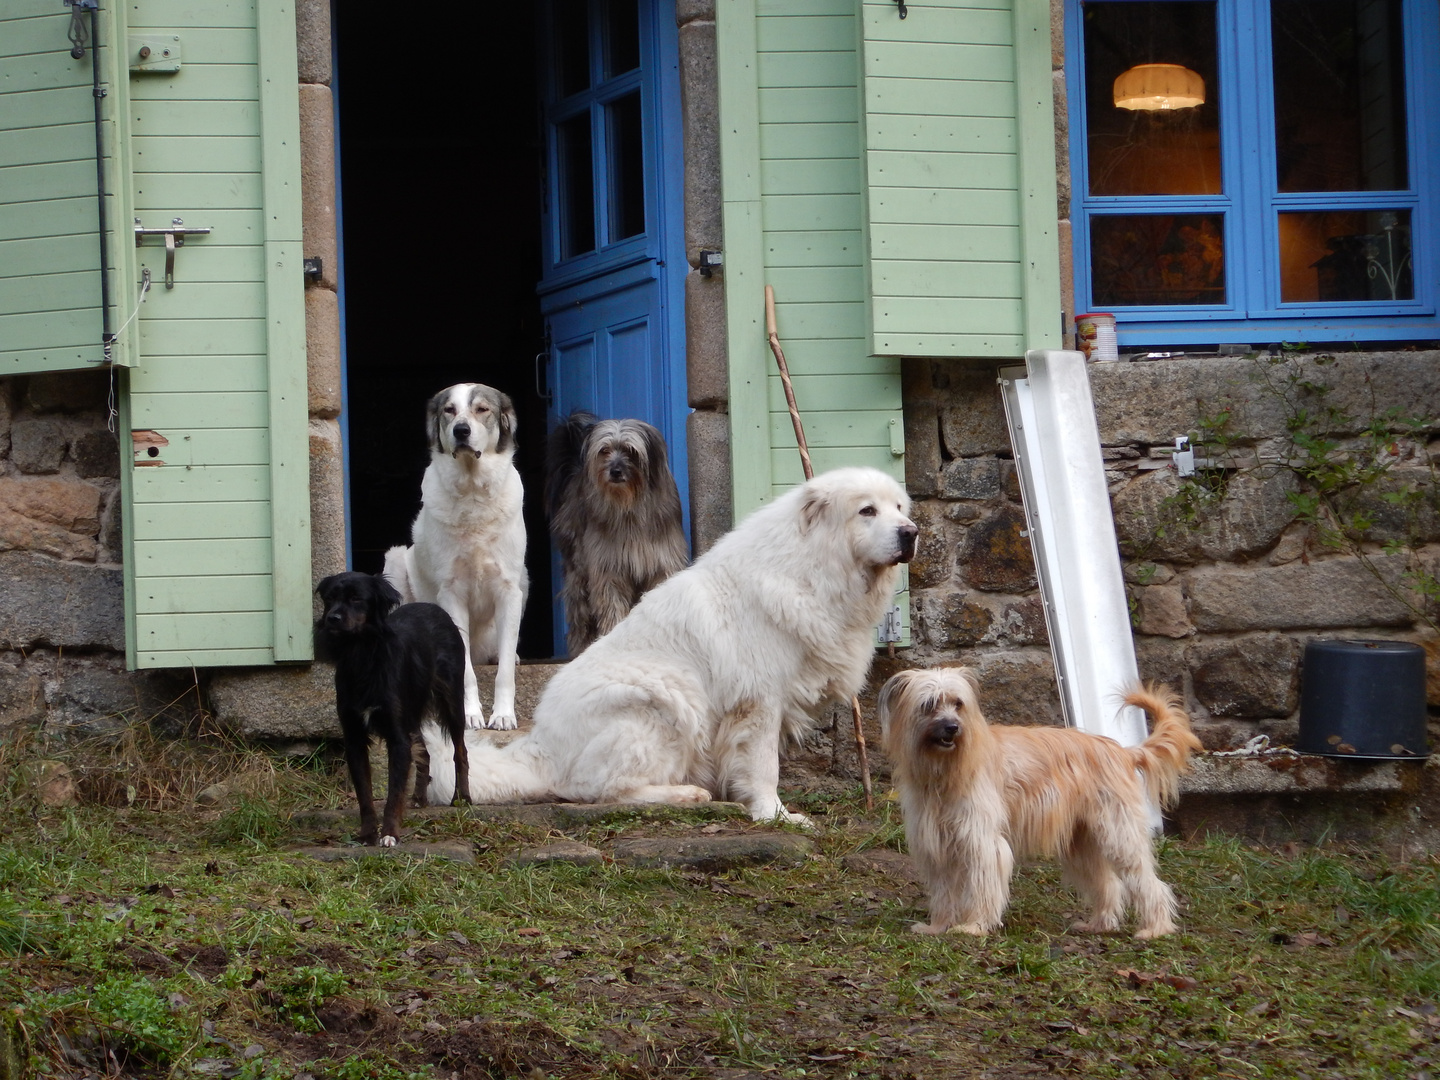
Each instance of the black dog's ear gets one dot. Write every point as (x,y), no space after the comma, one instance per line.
(325,586)
(435,420)
(386,594)
(508,424)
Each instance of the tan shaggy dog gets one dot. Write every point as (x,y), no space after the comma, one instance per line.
(976,796)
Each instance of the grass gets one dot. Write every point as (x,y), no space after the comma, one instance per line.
(150,938)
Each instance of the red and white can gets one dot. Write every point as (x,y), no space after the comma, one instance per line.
(1095,336)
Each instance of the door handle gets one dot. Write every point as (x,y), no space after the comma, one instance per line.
(540,391)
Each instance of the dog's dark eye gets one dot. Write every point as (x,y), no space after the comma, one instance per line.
(867,511)
(449,410)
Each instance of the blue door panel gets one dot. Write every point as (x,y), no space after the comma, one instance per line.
(614,311)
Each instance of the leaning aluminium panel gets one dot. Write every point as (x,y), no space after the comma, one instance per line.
(1072,532)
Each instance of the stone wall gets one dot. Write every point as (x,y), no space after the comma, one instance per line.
(1226,581)
(62,630)
(707,370)
(62,606)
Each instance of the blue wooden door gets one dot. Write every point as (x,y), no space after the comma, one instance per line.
(612,284)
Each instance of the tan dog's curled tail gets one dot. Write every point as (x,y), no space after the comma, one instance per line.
(1165,755)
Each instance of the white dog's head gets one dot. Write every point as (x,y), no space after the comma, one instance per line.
(868,508)
(470,417)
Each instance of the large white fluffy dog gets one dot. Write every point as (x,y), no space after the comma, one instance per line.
(467,550)
(688,698)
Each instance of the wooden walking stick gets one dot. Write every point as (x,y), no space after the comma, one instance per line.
(774,338)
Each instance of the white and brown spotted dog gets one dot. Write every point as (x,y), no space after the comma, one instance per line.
(467,550)
(976,796)
(615,516)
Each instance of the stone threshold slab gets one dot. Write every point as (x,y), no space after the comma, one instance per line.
(1271,774)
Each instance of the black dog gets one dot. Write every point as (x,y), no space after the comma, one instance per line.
(392,662)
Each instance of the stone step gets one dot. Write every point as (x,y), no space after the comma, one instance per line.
(550,815)
(1281,797)
(297,704)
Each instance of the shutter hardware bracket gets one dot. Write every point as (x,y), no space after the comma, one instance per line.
(904,11)
(174,238)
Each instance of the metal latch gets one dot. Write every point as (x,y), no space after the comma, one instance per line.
(155,54)
(889,628)
(174,238)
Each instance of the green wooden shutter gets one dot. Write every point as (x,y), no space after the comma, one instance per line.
(792,174)
(50,293)
(793,219)
(218,554)
(959,174)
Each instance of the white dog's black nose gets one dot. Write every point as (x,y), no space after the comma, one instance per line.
(907,536)
(461,432)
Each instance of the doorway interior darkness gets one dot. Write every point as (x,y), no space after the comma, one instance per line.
(440,214)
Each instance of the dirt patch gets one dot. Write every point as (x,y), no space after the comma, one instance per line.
(346,1016)
(206,960)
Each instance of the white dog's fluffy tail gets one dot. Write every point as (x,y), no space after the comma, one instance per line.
(397,572)
(498,774)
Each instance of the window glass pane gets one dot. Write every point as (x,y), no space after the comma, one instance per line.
(622,37)
(627,175)
(1157,259)
(576,189)
(1158,58)
(1346,255)
(572,46)
(1339,95)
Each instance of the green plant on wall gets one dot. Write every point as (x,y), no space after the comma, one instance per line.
(1366,486)
(1347,483)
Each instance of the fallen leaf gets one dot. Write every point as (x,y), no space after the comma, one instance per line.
(1143,978)
(1296,942)
(456,935)
(529,931)
(1262,1008)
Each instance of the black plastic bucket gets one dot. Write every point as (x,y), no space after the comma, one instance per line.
(1363,699)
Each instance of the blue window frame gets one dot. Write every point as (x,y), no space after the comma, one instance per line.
(1256,170)
(603,202)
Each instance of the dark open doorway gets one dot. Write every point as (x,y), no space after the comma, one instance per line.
(440,205)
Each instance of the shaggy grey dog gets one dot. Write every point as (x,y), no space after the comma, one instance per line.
(615,516)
